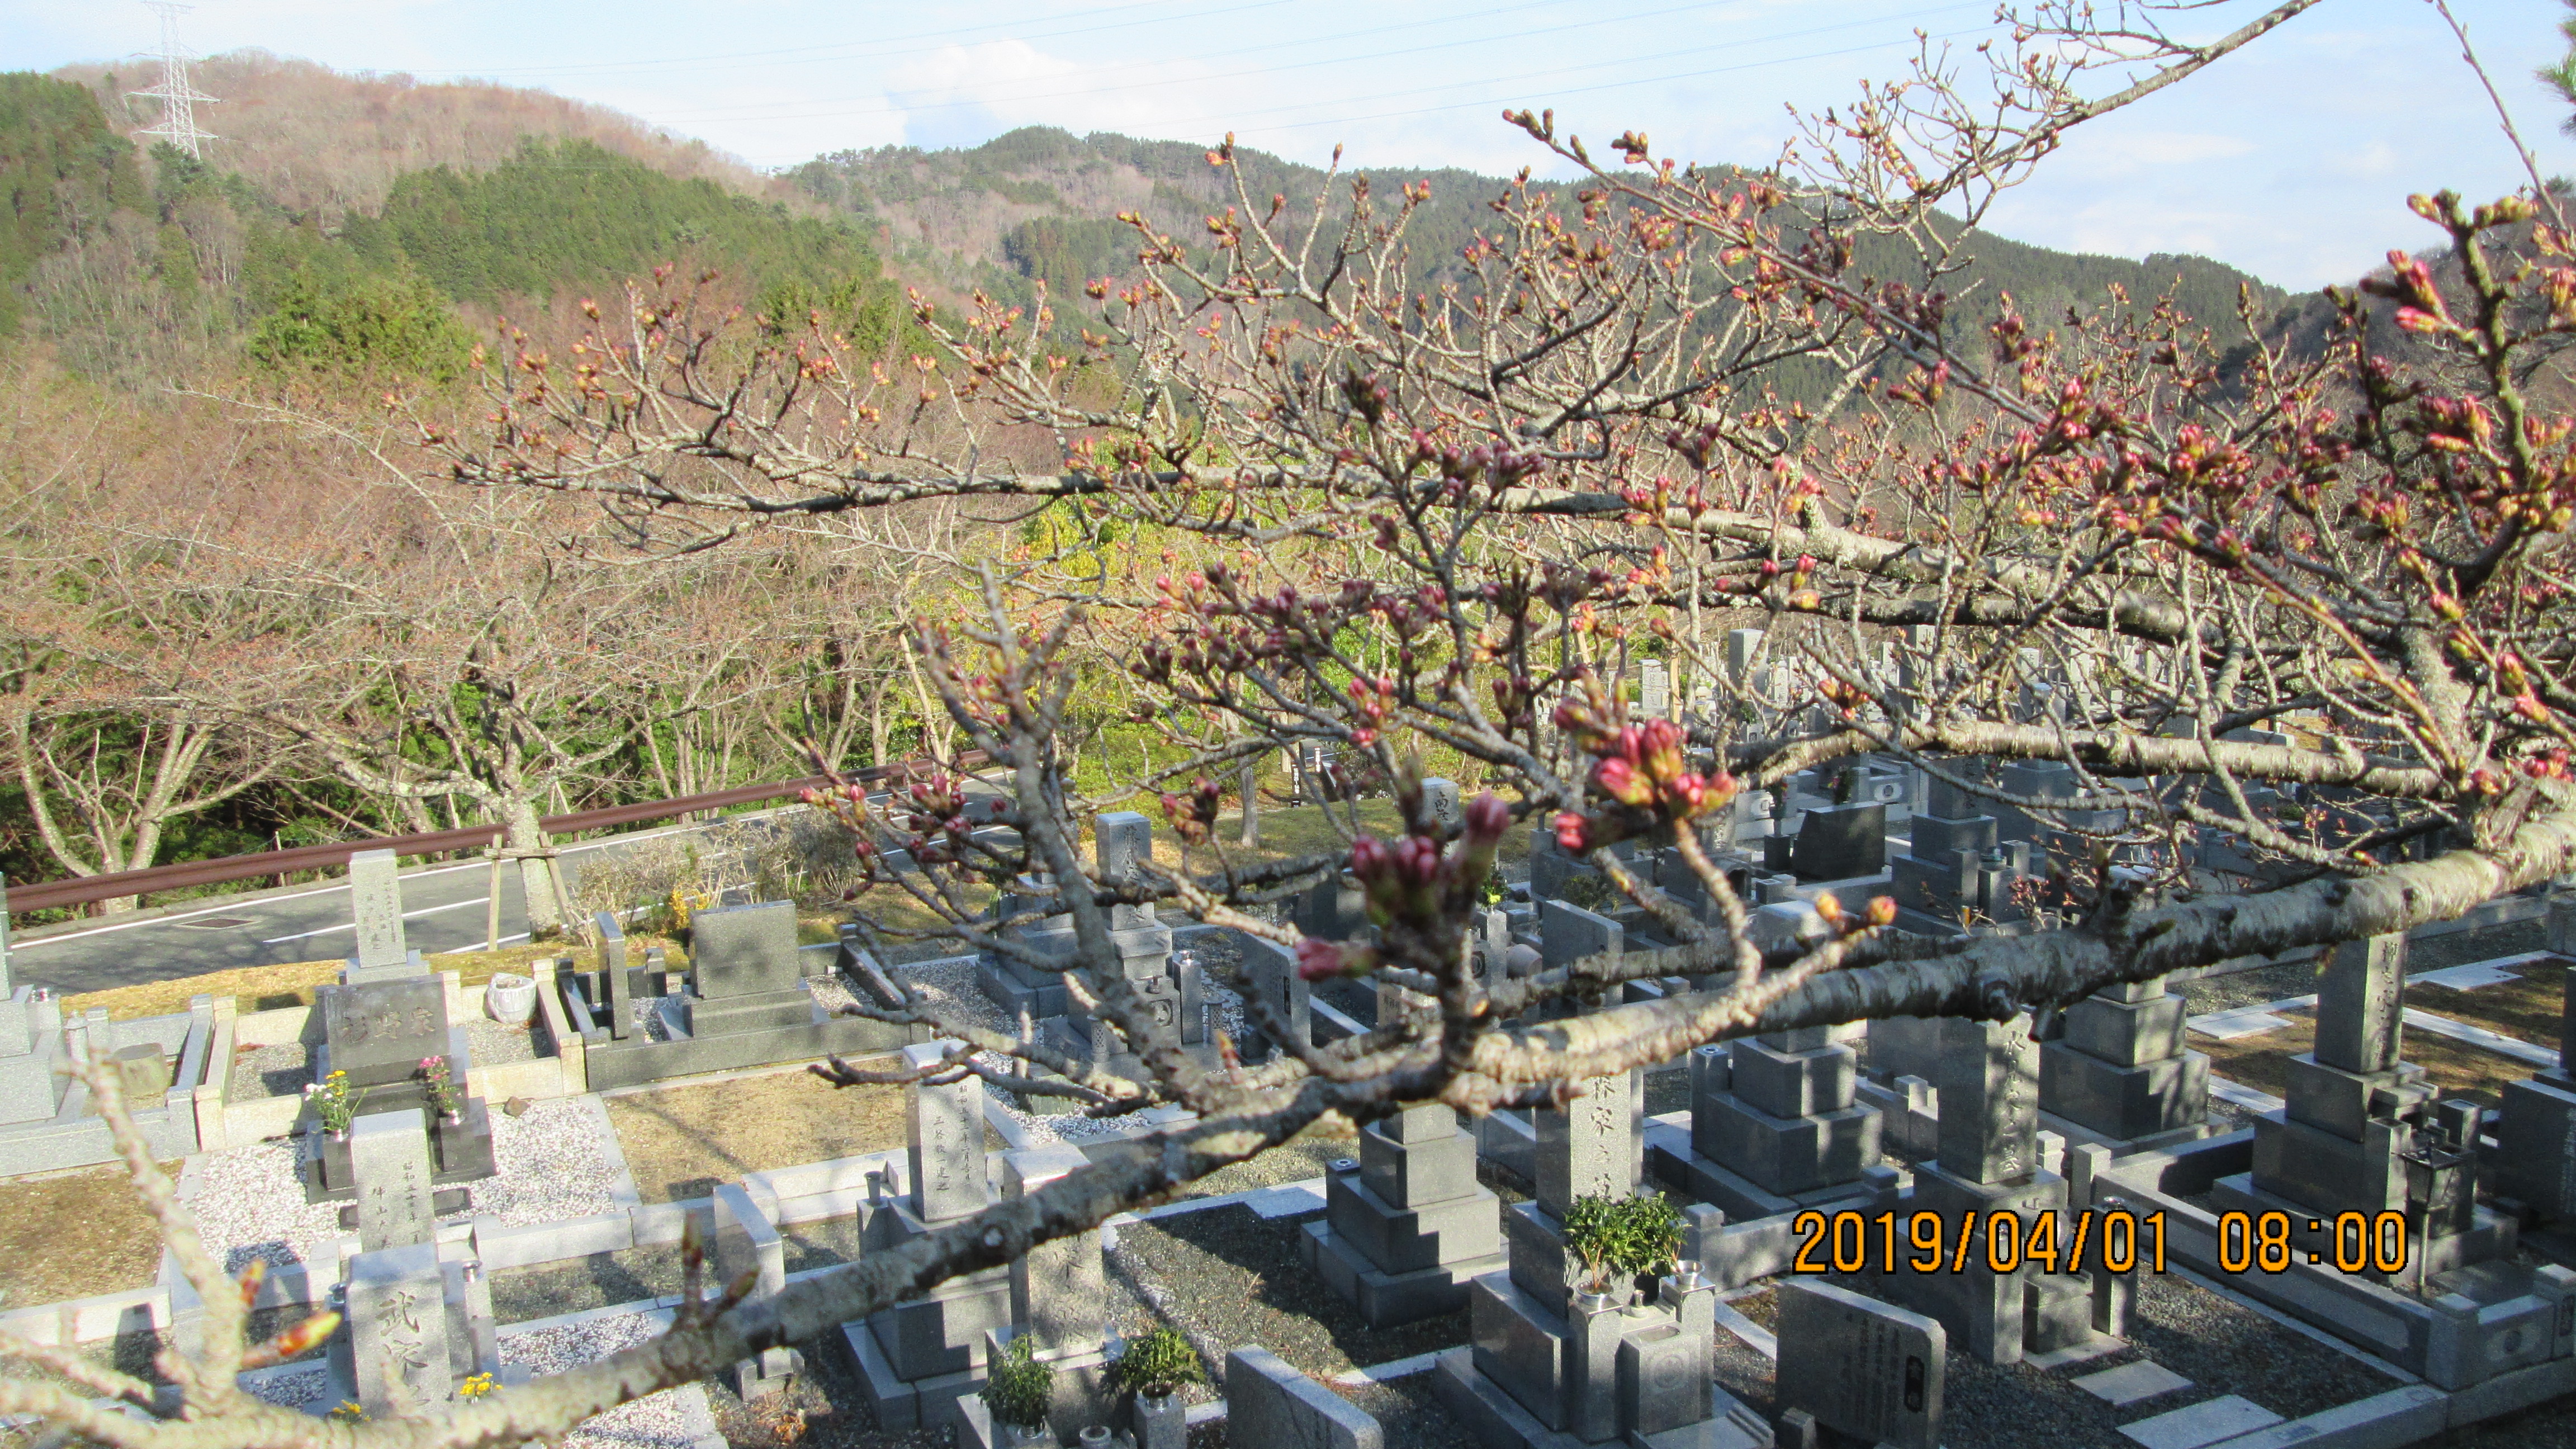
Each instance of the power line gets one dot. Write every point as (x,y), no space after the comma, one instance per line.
(177,95)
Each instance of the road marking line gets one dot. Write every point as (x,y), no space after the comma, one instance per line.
(352,925)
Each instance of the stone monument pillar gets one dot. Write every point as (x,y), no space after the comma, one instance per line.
(1550,1360)
(2356,1117)
(921,1355)
(1059,1296)
(1988,1161)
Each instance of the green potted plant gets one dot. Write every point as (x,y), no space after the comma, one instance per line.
(1153,1367)
(1617,1240)
(1020,1391)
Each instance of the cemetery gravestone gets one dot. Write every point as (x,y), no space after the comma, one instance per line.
(397,1307)
(375,903)
(746,969)
(1441,803)
(389,1160)
(946,1150)
(1860,1366)
(378,1031)
(920,1356)
(1407,1226)
(2536,1131)
(1654,689)
(1840,842)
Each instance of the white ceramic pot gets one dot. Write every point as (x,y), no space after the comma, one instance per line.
(510,999)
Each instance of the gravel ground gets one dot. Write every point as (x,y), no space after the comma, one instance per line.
(492,1044)
(1224,1278)
(653,1421)
(250,1203)
(276,1070)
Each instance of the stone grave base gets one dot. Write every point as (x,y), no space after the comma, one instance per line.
(2079,1135)
(1671,1158)
(1499,1422)
(72,1140)
(2491,1237)
(2499,1317)
(459,1152)
(1387,1299)
(637,1060)
(899,1404)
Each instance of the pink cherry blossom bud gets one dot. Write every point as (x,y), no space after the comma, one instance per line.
(1487,818)
(1569,830)
(1622,782)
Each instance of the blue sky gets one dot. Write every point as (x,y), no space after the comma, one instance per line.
(2292,159)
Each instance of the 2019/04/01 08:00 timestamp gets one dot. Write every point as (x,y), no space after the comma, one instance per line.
(2119,1240)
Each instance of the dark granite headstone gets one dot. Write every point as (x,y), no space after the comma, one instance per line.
(1837,842)
(379,1031)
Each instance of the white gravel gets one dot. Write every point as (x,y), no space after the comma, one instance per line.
(653,1421)
(249,1201)
(658,1422)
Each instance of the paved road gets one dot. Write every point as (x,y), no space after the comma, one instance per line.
(443,910)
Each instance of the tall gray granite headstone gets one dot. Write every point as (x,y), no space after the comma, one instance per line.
(1654,689)
(1058,1292)
(945,1145)
(1269,1405)
(1989,1086)
(2361,1006)
(1123,843)
(375,902)
(1595,1147)
(1860,1366)
(389,1161)
(397,1307)
(1440,801)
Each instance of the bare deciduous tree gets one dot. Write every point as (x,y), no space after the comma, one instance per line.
(1434,504)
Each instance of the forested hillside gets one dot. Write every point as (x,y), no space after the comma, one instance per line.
(152,265)
(320,141)
(1037,204)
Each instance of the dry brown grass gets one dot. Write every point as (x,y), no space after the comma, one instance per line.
(73,1236)
(2458,1069)
(681,1142)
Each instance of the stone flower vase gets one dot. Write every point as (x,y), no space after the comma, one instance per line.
(1015,1437)
(510,999)
(1162,1423)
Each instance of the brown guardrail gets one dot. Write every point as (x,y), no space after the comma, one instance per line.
(83,889)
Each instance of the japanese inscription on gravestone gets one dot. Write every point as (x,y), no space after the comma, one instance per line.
(375,902)
(389,1161)
(1860,1366)
(946,1151)
(378,1032)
